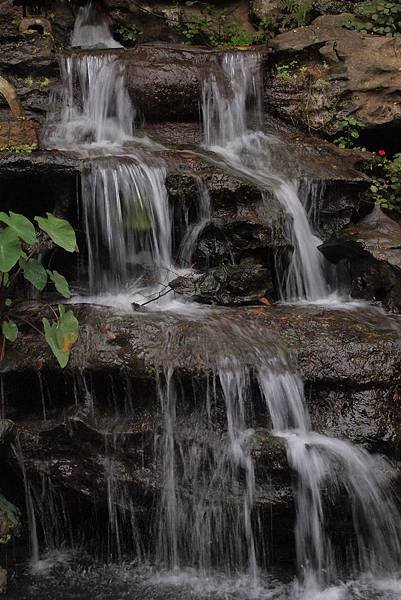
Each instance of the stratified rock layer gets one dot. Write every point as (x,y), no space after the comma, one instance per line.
(358,74)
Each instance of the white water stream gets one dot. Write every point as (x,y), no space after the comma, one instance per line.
(233,122)
(206,512)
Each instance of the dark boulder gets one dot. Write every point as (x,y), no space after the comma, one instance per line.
(227,285)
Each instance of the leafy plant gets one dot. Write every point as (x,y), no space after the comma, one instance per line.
(287,71)
(129,32)
(212,26)
(379,17)
(297,13)
(386,185)
(21,243)
(350,127)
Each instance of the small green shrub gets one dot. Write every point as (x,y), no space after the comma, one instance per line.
(129,32)
(386,185)
(378,17)
(350,127)
(214,27)
(297,13)
(287,71)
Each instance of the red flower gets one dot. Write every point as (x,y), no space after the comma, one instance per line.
(381,152)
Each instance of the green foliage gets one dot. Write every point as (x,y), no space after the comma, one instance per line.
(59,230)
(386,185)
(20,246)
(28,148)
(379,17)
(349,137)
(214,27)
(129,32)
(287,71)
(297,13)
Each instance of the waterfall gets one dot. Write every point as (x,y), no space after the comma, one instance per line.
(125,205)
(96,110)
(189,241)
(232,115)
(207,511)
(319,462)
(208,484)
(127,224)
(91,29)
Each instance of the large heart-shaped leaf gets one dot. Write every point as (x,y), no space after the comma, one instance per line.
(60,283)
(62,335)
(59,230)
(9,330)
(34,272)
(10,249)
(21,225)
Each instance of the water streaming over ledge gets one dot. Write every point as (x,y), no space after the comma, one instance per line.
(233,123)
(91,29)
(207,510)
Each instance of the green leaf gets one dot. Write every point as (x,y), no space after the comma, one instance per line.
(60,283)
(9,330)
(21,225)
(10,249)
(8,302)
(62,335)
(34,272)
(59,230)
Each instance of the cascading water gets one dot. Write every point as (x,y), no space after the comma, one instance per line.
(190,239)
(232,115)
(207,510)
(321,461)
(96,110)
(127,224)
(91,29)
(125,205)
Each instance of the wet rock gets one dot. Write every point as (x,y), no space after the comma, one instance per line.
(33,54)
(3,581)
(331,185)
(17,134)
(226,286)
(262,9)
(6,431)
(106,403)
(357,350)
(245,225)
(165,82)
(346,73)
(369,258)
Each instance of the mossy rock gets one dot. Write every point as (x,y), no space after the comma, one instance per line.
(9,520)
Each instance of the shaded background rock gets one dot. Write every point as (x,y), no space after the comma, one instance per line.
(369,259)
(361,78)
